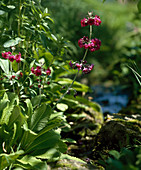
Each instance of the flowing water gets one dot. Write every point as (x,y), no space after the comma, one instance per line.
(111,99)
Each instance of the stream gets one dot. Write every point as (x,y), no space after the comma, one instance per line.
(111,99)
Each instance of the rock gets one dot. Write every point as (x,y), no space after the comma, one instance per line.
(67,164)
(117,132)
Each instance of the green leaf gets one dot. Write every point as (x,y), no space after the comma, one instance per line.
(40,117)
(69,140)
(7,159)
(37,100)
(62,106)
(12,42)
(4,64)
(3,102)
(29,107)
(32,163)
(11,6)
(76,85)
(45,141)
(2,12)
(139,6)
(16,116)
(28,136)
(13,98)
(49,154)
(50,125)
(115,153)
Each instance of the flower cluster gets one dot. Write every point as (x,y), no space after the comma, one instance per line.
(86,68)
(91,20)
(92,45)
(8,55)
(38,71)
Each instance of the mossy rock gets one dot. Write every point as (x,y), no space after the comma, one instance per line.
(117,132)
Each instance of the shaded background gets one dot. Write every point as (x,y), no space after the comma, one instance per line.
(119,33)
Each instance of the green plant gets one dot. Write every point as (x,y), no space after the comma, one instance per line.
(126,159)
(33,71)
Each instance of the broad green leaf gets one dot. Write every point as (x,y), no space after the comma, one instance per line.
(40,117)
(62,106)
(32,163)
(28,136)
(16,116)
(115,153)
(8,159)
(76,85)
(62,147)
(29,107)
(45,141)
(4,64)
(4,101)
(12,42)
(13,98)
(37,100)
(51,124)
(2,12)
(49,154)
(139,6)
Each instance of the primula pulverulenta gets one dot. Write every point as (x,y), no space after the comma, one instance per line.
(91,20)
(38,71)
(92,45)
(8,55)
(86,68)
(87,43)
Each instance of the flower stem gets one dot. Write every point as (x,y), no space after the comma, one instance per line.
(91,29)
(71,83)
(66,90)
(11,74)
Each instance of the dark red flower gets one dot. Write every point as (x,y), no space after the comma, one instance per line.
(18,57)
(84,22)
(48,71)
(6,54)
(11,58)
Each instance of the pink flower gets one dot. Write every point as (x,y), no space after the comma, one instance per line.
(48,71)
(83,42)
(97,20)
(32,70)
(18,57)
(6,54)
(80,43)
(84,22)
(79,66)
(91,67)
(11,58)
(85,70)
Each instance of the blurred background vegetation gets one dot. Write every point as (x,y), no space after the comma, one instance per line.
(119,32)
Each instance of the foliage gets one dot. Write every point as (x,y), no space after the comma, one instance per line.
(126,159)
(34,70)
